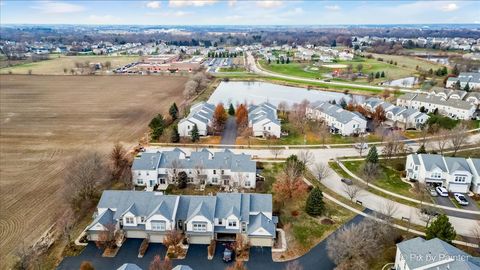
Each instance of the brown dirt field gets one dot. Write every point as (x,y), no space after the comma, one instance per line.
(45,120)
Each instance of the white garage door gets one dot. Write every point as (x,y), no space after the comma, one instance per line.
(458,188)
(261,242)
(156,238)
(93,236)
(136,234)
(199,239)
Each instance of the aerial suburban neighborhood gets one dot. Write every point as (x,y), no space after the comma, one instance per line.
(235,135)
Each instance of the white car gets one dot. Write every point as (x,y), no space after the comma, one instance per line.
(361,145)
(442,191)
(460,198)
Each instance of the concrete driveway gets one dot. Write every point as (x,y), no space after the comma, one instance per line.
(260,258)
(229,134)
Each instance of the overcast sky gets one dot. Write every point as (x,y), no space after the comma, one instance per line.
(239,12)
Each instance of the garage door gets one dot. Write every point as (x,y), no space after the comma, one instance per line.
(156,238)
(93,236)
(199,239)
(458,188)
(261,242)
(136,234)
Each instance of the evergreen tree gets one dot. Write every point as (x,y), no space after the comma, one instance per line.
(372,156)
(441,228)
(444,71)
(173,111)
(343,103)
(182,180)
(315,205)
(421,150)
(288,60)
(455,70)
(334,43)
(377,75)
(195,135)
(382,74)
(278,61)
(430,71)
(231,110)
(174,136)
(467,87)
(457,85)
(157,125)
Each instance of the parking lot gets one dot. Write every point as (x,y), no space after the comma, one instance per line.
(213,64)
(447,201)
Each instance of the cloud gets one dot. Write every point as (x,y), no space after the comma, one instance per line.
(333,7)
(153,4)
(195,3)
(56,7)
(232,3)
(295,11)
(103,19)
(269,3)
(449,7)
(179,13)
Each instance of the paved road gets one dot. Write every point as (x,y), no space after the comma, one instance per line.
(229,134)
(260,258)
(256,69)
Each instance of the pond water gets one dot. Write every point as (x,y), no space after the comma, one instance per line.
(258,92)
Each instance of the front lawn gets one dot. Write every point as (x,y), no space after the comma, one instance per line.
(387,177)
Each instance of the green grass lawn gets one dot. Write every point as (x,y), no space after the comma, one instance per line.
(232,69)
(387,177)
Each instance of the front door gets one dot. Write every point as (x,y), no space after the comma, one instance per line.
(152,183)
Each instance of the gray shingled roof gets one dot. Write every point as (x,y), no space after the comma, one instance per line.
(456,163)
(261,221)
(431,161)
(104,218)
(433,248)
(454,103)
(147,161)
(340,115)
(129,266)
(263,111)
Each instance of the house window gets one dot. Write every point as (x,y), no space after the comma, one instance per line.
(247,183)
(129,220)
(436,175)
(214,171)
(223,172)
(158,225)
(214,180)
(142,219)
(162,181)
(199,226)
(232,223)
(244,227)
(220,222)
(460,178)
(139,173)
(140,181)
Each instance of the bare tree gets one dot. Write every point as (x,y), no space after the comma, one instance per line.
(276,151)
(172,240)
(290,183)
(306,157)
(65,224)
(173,170)
(158,264)
(458,137)
(476,232)
(299,119)
(107,239)
(442,139)
(393,146)
(86,171)
(24,257)
(361,142)
(322,170)
(426,213)
(120,163)
(282,108)
(294,265)
(352,191)
(388,210)
(200,174)
(323,132)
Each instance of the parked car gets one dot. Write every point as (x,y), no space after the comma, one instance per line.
(361,145)
(442,191)
(460,198)
(347,181)
(432,192)
(429,211)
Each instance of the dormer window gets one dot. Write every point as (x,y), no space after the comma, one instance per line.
(232,223)
(129,220)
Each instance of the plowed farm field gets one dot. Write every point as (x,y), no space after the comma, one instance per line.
(45,120)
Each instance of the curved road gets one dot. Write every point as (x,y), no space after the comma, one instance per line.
(253,65)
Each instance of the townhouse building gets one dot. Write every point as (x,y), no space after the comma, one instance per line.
(421,254)
(470,78)
(453,108)
(263,120)
(160,168)
(151,215)
(397,116)
(339,121)
(456,174)
(201,114)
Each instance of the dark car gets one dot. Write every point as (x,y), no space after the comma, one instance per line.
(347,181)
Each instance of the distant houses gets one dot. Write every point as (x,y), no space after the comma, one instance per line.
(225,168)
(152,215)
(456,174)
(464,78)
(263,120)
(451,107)
(420,254)
(397,116)
(339,121)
